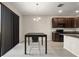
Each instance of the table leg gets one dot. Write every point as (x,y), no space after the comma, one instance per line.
(46,45)
(25,45)
(28,40)
(42,40)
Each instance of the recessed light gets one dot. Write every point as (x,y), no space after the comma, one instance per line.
(77,11)
(60,11)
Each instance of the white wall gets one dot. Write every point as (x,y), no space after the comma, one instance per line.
(20,19)
(44,25)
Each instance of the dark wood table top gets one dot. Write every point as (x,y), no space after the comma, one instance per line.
(35,34)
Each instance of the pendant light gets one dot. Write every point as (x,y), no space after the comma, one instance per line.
(37,18)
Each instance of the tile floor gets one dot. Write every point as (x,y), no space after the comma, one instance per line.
(55,49)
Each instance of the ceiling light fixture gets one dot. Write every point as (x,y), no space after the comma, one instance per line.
(77,11)
(60,11)
(37,18)
(34,19)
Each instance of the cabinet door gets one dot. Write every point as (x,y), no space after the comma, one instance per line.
(60,22)
(64,22)
(69,23)
(54,25)
(54,22)
(77,22)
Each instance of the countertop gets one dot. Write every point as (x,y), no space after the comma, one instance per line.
(68,32)
(72,34)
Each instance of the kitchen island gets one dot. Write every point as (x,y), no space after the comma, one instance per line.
(71,43)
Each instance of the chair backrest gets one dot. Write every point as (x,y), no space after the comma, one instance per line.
(35,39)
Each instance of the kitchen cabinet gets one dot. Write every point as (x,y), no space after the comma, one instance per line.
(69,22)
(77,22)
(57,37)
(57,22)
(54,23)
(63,22)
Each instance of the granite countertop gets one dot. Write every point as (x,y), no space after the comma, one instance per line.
(73,34)
(68,32)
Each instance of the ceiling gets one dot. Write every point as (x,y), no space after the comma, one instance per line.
(46,8)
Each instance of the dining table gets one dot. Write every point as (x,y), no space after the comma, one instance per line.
(35,37)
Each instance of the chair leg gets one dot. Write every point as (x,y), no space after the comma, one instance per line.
(39,47)
(31,47)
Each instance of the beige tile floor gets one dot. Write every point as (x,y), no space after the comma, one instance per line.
(55,49)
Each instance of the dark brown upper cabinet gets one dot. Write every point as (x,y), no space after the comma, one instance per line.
(56,22)
(69,22)
(77,22)
(64,22)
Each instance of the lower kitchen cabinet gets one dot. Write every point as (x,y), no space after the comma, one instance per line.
(57,37)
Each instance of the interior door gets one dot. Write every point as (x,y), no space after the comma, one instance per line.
(6,42)
(15,29)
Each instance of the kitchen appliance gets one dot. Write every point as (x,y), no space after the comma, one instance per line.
(61,36)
